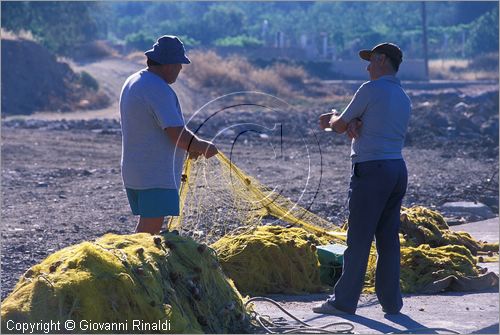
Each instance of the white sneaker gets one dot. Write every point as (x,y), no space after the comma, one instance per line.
(328,308)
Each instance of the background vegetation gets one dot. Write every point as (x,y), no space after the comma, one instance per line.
(455,29)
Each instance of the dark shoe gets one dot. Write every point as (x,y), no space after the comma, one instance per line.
(328,308)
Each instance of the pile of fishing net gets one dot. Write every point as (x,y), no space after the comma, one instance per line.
(420,225)
(434,258)
(272,259)
(452,267)
(171,284)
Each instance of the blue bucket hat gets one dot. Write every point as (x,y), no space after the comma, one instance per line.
(168,49)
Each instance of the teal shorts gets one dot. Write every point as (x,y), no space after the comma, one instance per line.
(154,202)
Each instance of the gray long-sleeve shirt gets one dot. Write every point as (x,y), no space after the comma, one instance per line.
(384,108)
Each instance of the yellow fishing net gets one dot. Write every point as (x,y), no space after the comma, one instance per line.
(129,284)
(272,259)
(423,265)
(220,199)
(421,225)
(265,242)
(217,196)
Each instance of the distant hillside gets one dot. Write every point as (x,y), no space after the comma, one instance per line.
(33,80)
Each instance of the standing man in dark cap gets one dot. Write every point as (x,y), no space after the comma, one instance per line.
(376,120)
(154,136)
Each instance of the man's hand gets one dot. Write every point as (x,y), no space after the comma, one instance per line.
(185,139)
(332,121)
(324,120)
(194,155)
(211,150)
(353,128)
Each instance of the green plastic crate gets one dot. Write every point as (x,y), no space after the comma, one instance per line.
(331,259)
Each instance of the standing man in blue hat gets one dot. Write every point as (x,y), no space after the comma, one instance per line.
(154,136)
(376,120)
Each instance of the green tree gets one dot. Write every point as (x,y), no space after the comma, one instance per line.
(222,21)
(468,11)
(238,41)
(58,25)
(140,41)
(483,35)
(348,25)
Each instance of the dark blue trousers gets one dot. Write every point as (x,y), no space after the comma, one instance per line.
(375,195)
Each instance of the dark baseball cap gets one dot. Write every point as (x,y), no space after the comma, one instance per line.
(391,50)
(168,49)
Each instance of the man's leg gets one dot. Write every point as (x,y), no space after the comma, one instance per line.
(387,276)
(149,225)
(368,195)
(349,286)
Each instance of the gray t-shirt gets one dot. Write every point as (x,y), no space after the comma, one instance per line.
(384,108)
(150,159)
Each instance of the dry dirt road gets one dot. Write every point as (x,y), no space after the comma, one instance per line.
(111,73)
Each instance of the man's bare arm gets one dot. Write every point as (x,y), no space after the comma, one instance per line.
(337,124)
(353,128)
(324,120)
(185,139)
(334,122)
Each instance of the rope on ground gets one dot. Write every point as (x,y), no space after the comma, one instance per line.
(284,328)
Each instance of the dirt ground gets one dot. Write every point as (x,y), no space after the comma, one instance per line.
(61,180)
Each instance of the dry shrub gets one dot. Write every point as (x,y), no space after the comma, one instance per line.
(240,63)
(93,101)
(461,69)
(137,56)
(294,75)
(446,69)
(486,62)
(208,70)
(95,50)
(268,81)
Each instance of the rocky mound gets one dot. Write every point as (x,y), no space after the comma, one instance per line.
(454,121)
(33,79)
